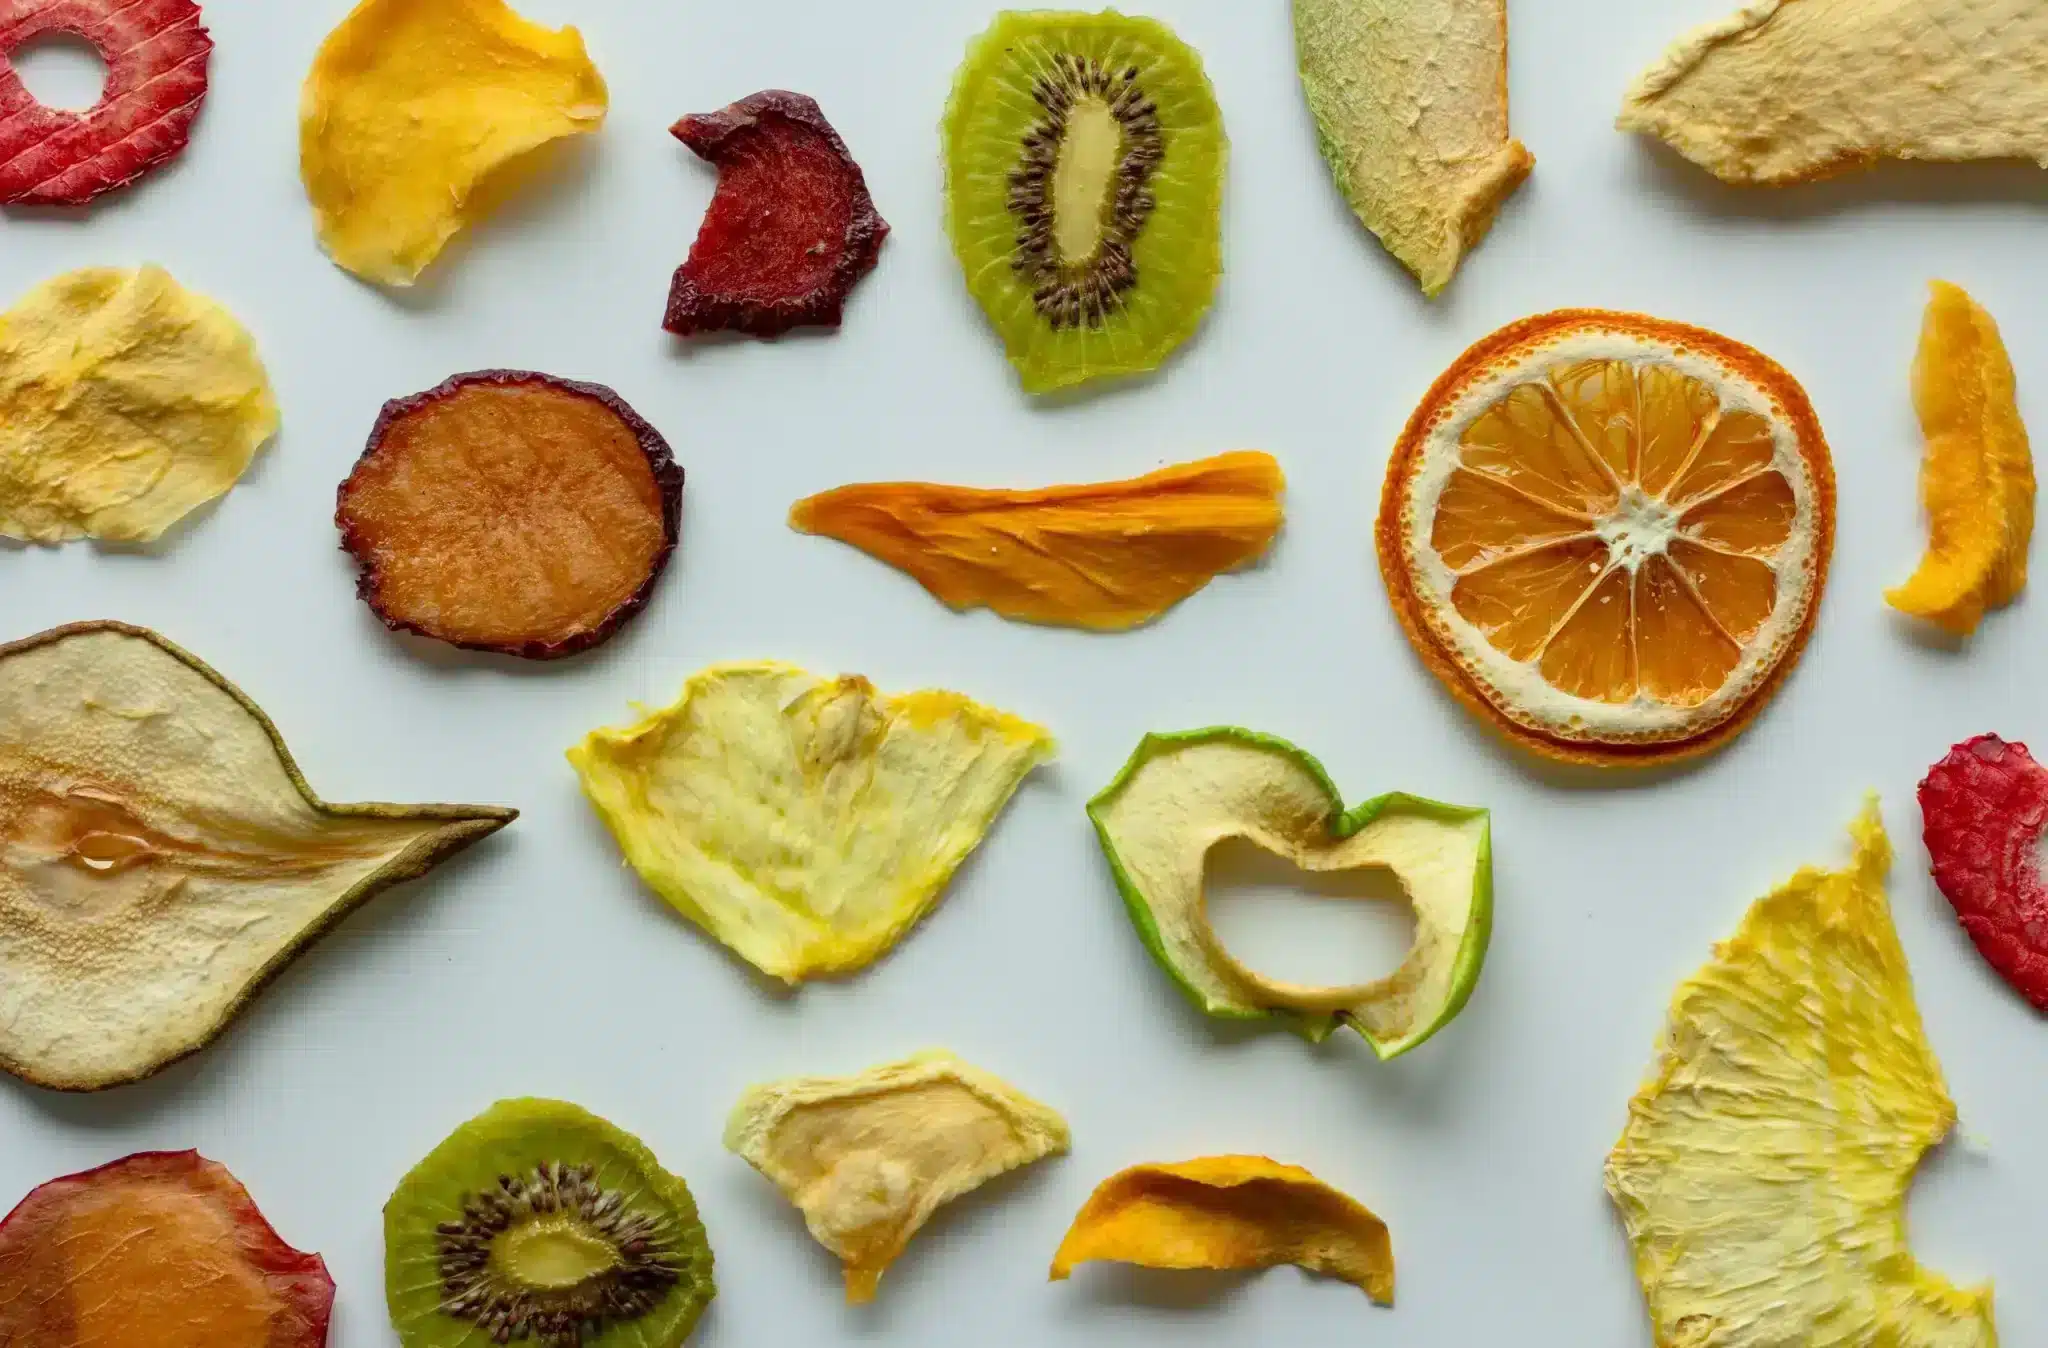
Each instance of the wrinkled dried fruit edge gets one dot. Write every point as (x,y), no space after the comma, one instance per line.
(1792,403)
(468,824)
(668,477)
(1343,824)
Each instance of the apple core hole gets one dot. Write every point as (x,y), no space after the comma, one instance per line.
(1318,928)
(61,71)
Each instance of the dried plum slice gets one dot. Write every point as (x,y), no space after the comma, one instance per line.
(1984,809)
(511,511)
(791,229)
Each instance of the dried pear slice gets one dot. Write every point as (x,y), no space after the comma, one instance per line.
(805,823)
(1762,1175)
(161,858)
(1230,1212)
(1181,794)
(869,1158)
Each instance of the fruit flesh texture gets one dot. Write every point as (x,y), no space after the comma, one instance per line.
(1985,809)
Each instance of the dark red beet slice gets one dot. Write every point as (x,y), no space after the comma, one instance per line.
(156,54)
(791,229)
(163,1248)
(1984,808)
(511,511)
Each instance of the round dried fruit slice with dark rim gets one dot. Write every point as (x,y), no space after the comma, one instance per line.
(163,1248)
(1984,809)
(791,229)
(156,54)
(511,511)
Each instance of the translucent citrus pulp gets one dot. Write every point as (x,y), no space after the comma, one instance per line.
(1608,534)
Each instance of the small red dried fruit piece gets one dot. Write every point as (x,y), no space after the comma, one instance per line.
(1984,809)
(790,230)
(156,53)
(163,1248)
(511,511)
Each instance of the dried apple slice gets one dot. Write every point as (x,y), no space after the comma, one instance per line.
(161,858)
(869,1158)
(1181,794)
(1231,1212)
(511,511)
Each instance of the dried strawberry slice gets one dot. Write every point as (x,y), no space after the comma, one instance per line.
(162,1248)
(156,53)
(1984,808)
(791,229)
(511,511)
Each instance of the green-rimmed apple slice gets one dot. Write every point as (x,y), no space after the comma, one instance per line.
(1182,794)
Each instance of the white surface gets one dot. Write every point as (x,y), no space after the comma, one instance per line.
(537,964)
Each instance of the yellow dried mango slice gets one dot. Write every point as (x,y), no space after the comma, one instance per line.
(1763,1172)
(869,1158)
(1231,1212)
(126,401)
(1977,480)
(412,104)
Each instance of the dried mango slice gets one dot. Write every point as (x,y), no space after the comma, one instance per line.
(805,823)
(1762,1175)
(1977,481)
(1984,808)
(1181,794)
(868,1159)
(1785,91)
(412,105)
(1108,555)
(126,402)
(161,858)
(163,1248)
(1231,1212)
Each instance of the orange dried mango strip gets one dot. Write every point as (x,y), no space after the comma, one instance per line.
(1107,555)
(1977,481)
(1231,1212)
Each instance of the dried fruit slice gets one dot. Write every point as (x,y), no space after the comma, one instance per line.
(539,1221)
(1978,478)
(126,402)
(1411,109)
(156,53)
(1108,555)
(1762,1175)
(413,105)
(1985,808)
(1180,794)
(511,511)
(1785,91)
(805,823)
(869,1158)
(164,1248)
(161,858)
(1084,191)
(1231,1212)
(791,229)
(1607,534)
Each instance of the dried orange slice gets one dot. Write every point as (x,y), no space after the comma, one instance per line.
(1608,534)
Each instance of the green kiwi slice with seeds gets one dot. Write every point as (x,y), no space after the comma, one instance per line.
(539,1222)
(1085,156)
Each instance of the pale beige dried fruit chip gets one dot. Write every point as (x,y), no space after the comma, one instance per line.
(1785,91)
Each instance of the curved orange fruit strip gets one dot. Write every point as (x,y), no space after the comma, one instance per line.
(1107,555)
(1230,1212)
(1977,480)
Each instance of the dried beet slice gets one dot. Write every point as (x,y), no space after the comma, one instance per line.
(1984,809)
(164,1248)
(511,511)
(156,53)
(791,229)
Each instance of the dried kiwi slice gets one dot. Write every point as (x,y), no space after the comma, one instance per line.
(538,1221)
(1084,191)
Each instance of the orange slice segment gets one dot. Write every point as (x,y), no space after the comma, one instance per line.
(1608,534)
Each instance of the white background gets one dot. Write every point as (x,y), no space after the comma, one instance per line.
(536,964)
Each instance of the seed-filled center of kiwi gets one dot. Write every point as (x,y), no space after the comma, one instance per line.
(1082,178)
(553,1253)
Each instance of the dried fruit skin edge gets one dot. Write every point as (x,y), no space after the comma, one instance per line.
(1097,556)
(1984,808)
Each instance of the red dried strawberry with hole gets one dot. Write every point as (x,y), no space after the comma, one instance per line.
(1984,808)
(156,53)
